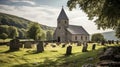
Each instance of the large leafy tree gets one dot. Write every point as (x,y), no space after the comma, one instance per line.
(3,36)
(13,32)
(106,12)
(49,35)
(35,31)
(98,37)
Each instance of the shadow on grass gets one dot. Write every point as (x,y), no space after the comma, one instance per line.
(74,60)
(8,51)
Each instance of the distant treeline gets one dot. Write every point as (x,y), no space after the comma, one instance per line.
(12,26)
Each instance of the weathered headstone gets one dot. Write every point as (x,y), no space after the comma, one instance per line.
(14,45)
(21,45)
(45,44)
(69,50)
(53,45)
(93,47)
(117,42)
(103,43)
(28,45)
(109,42)
(40,47)
(85,45)
(79,44)
(63,45)
(112,41)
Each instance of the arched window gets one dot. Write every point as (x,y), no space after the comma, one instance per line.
(81,37)
(86,37)
(65,22)
(75,37)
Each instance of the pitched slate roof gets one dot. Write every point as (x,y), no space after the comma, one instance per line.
(62,15)
(76,30)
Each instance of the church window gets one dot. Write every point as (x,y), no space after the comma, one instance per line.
(86,38)
(65,22)
(81,37)
(75,37)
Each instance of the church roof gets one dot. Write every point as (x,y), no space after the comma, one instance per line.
(77,30)
(62,15)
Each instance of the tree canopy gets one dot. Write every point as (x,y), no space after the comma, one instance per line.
(10,31)
(49,35)
(35,32)
(98,37)
(3,36)
(106,12)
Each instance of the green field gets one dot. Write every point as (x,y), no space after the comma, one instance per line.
(51,57)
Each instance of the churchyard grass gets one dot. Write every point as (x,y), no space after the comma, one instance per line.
(51,57)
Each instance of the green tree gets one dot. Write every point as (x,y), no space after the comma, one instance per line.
(4,29)
(49,35)
(43,36)
(106,12)
(13,32)
(21,33)
(98,37)
(3,36)
(35,31)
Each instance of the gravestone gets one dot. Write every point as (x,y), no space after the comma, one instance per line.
(63,45)
(79,44)
(40,47)
(103,43)
(109,42)
(85,45)
(45,44)
(69,50)
(14,45)
(21,45)
(57,43)
(93,47)
(53,45)
(117,42)
(112,41)
(28,45)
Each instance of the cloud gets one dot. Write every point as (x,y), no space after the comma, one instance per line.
(48,15)
(24,1)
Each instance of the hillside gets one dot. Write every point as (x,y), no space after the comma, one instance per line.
(11,20)
(110,35)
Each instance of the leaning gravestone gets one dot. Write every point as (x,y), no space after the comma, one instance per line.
(85,45)
(69,50)
(40,47)
(93,47)
(14,45)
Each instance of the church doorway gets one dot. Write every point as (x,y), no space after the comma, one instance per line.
(58,39)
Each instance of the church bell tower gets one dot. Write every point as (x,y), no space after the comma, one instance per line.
(62,25)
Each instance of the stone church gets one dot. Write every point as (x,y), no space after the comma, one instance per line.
(69,33)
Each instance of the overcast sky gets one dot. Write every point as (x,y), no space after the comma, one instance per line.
(46,12)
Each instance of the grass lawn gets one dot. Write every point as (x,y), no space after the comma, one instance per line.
(51,57)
